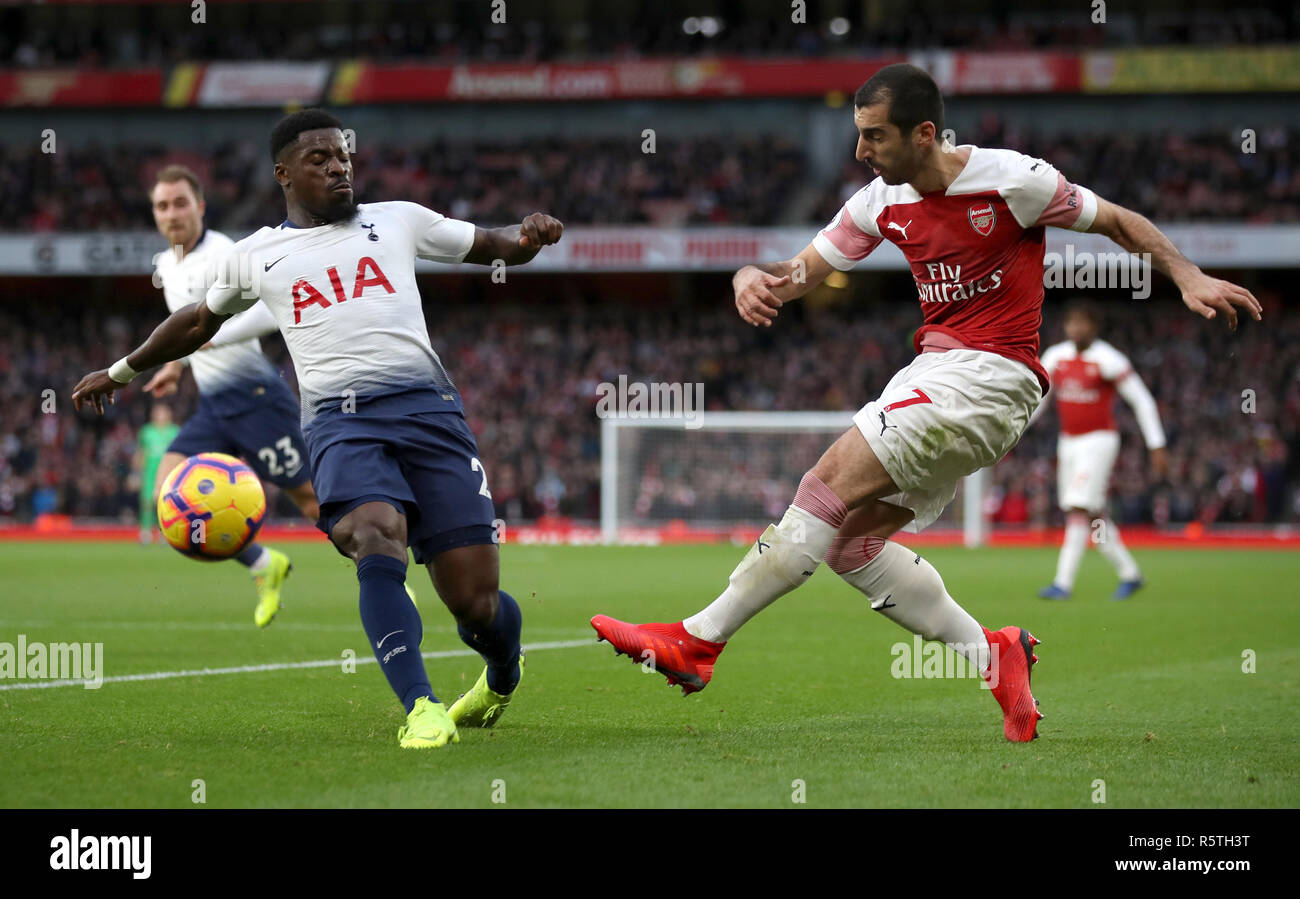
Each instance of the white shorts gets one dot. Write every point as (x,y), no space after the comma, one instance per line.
(943,417)
(1083,466)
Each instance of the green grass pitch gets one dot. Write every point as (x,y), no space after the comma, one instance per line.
(1148,696)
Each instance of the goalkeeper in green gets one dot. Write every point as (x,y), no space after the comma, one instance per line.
(151,445)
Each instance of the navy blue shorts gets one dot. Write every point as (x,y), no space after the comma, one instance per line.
(425,464)
(269,438)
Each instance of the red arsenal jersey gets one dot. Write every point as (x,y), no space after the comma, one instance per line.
(1084,384)
(975,250)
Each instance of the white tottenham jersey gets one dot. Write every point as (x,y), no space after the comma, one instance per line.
(345,299)
(184,281)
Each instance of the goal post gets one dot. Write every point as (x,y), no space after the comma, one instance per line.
(735,470)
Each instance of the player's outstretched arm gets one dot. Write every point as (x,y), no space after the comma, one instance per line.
(762,288)
(518,243)
(180,334)
(1202,294)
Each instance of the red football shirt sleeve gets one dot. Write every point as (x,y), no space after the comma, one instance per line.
(852,234)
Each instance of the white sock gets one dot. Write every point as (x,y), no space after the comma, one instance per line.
(262,561)
(1117,554)
(908,590)
(783,558)
(1072,549)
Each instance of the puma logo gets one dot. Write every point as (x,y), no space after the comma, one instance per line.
(901,228)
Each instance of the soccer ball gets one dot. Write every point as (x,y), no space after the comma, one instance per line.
(211,507)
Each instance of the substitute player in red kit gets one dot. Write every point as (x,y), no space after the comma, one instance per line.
(971,223)
(1086,373)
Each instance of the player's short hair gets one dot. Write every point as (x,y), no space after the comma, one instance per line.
(288,128)
(1085,309)
(170,174)
(911,93)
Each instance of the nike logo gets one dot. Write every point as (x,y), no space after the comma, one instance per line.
(267,266)
(380,644)
(901,228)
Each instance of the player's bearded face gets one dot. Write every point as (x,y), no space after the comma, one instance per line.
(321,175)
(891,154)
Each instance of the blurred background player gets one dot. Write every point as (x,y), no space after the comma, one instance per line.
(1086,373)
(245,408)
(151,447)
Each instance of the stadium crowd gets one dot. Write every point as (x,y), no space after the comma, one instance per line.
(1202,176)
(530,376)
(583,181)
(151,34)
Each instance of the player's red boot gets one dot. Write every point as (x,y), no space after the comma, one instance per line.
(686,660)
(1012,661)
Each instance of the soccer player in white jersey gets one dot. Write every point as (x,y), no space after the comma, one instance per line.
(245,408)
(393,461)
(970,222)
(1086,373)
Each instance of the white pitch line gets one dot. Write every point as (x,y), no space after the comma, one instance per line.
(275,666)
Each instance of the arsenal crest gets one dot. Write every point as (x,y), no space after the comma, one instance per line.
(982,218)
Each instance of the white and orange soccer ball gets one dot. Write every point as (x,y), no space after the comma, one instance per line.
(211,506)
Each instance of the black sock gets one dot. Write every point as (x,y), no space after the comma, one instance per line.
(499,644)
(249,554)
(393,625)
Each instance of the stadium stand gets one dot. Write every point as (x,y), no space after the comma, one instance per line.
(1199,176)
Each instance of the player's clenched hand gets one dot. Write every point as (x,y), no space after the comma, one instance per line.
(92,389)
(1208,297)
(755,301)
(539,230)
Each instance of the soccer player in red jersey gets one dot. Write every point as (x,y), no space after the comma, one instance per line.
(1086,373)
(971,223)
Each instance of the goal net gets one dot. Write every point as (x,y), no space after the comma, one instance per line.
(735,473)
